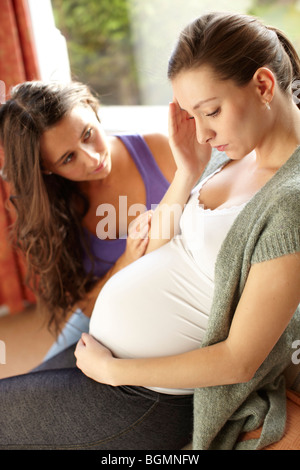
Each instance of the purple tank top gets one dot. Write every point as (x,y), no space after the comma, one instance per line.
(106,252)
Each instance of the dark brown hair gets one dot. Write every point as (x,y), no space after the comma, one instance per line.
(49,208)
(235,46)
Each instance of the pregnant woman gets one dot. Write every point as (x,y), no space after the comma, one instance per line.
(194,336)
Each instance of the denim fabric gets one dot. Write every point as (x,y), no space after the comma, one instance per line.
(71,333)
(64,360)
(64,409)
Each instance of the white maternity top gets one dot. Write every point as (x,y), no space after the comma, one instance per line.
(159,305)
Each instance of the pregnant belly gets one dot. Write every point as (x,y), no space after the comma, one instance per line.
(157,306)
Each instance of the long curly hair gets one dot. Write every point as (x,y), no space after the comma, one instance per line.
(49,209)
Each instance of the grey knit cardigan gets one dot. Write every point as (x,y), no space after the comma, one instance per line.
(267,227)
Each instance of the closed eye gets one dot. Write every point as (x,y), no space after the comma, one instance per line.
(215,113)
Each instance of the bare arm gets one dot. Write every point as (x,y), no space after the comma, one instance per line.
(269,300)
(191,159)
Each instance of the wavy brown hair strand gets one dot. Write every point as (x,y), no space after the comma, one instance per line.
(49,209)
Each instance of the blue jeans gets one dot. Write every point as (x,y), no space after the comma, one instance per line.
(63,409)
(71,333)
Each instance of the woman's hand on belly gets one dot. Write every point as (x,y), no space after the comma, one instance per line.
(272,287)
(93,359)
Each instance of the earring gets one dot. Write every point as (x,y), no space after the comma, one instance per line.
(48,172)
(268,106)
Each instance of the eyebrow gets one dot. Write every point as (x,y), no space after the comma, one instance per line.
(69,151)
(200,103)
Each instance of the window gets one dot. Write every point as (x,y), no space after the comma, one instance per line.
(50,45)
(121,47)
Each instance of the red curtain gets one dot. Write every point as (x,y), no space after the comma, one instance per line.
(18,63)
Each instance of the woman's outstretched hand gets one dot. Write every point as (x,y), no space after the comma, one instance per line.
(190,156)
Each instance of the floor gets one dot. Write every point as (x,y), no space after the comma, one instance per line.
(26,339)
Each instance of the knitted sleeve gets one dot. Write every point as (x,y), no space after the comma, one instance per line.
(280,232)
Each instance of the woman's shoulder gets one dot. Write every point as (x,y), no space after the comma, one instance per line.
(287,200)
(161,151)
(157,143)
(286,185)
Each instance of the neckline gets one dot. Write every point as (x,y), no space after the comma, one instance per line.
(216,210)
(278,172)
(223,210)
